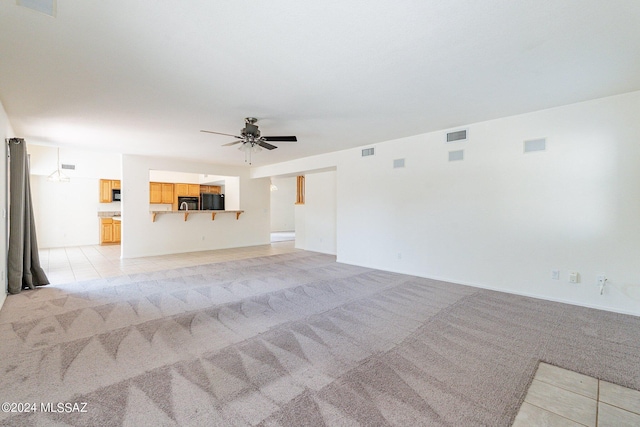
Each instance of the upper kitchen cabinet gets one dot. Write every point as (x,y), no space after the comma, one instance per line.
(167,193)
(106,190)
(192,190)
(161,192)
(155,192)
(211,189)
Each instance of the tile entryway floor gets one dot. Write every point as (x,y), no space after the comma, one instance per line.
(558,397)
(72,264)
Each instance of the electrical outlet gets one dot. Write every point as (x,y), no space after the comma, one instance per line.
(602,278)
(574,277)
(555,274)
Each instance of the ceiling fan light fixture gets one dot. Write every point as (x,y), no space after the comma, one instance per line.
(250,147)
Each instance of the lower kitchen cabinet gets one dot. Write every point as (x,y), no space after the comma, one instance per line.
(109,231)
(116,231)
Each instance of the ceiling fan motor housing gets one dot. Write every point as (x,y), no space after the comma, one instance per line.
(250,130)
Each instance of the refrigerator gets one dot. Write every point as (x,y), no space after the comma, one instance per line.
(211,202)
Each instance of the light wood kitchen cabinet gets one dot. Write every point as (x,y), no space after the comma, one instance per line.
(160,192)
(167,193)
(155,192)
(109,231)
(105,191)
(106,230)
(116,231)
(106,185)
(191,190)
(211,189)
(182,189)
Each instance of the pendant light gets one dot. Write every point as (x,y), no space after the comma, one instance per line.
(57,175)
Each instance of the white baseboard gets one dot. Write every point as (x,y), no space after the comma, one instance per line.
(497,289)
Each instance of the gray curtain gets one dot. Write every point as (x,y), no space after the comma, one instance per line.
(23,266)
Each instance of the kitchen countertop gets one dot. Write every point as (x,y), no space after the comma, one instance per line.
(114,215)
(108,214)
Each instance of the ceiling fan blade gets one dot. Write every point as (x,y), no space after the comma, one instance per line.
(231,143)
(280,138)
(220,133)
(266,145)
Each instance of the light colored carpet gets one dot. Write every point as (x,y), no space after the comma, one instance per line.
(293,340)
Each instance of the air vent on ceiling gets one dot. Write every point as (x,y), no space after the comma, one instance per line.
(398,163)
(457,136)
(48,7)
(456,155)
(368,152)
(71,167)
(535,145)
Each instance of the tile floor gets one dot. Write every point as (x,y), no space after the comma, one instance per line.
(558,397)
(72,264)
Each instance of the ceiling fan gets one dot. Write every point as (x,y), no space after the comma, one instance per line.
(251,139)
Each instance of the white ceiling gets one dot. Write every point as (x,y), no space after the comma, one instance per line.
(145,76)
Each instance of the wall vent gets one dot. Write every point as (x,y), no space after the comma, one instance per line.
(398,163)
(535,145)
(71,167)
(48,7)
(368,152)
(459,135)
(456,155)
